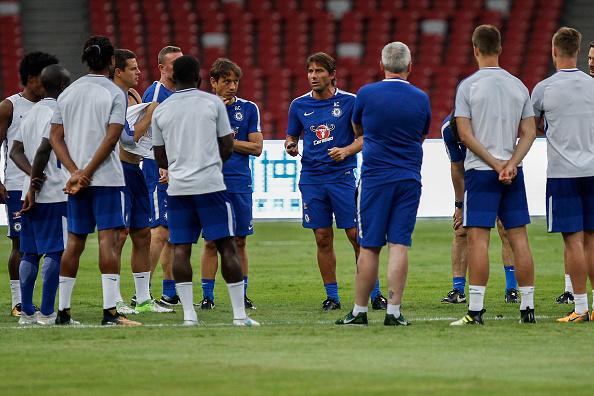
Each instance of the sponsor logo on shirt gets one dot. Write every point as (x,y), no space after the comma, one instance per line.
(323,133)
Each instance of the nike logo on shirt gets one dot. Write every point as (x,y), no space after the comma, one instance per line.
(308,114)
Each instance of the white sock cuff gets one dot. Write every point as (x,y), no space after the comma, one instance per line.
(357,309)
(581,303)
(236,284)
(477,289)
(141,274)
(393,309)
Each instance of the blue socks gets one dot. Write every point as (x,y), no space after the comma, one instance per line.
(332,291)
(510,277)
(50,274)
(27,274)
(459,283)
(208,288)
(376,290)
(245,285)
(169,287)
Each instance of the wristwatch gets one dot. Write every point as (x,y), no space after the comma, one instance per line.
(458,204)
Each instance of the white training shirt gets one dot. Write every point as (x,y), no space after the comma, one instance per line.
(145,144)
(35,126)
(566,101)
(13,176)
(495,102)
(85,109)
(188,124)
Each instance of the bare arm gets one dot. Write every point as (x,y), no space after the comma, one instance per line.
(540,131)
(143,124)
(467,138)
(252,147)
(161,157)
(59,146)
(292,145)
(457,172)
(40,161)
(17,155)
(225,146)
(527,136)
(358,128)
(5,121)
(341,153)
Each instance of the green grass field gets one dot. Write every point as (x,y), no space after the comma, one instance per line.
(298,351)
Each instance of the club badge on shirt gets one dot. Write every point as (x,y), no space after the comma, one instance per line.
(336,112)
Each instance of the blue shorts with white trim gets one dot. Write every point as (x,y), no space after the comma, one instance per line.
(486,198)
(210,214)
(322,201)
(13,205)
(157,193)
(388,213)
(96,206)
(242,208)
(44,228)
(137,205)
(570,204)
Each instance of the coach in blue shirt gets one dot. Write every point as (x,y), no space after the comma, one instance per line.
(394,118)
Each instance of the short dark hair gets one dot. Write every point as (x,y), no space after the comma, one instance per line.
(223,67)
(170,49)
(54,78)
(591,44)
(324,60)
(33,63)
(186,69)
(97,53)
(121,57)
(487,39)
(567,41)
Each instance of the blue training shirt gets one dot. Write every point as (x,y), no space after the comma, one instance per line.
(325,123)
(156,92)
(244,117)
(455,149)
(395,116)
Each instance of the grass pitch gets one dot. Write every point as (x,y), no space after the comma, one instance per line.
(298,351)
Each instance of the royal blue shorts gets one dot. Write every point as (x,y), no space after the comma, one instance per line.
(242,208)
(137,206)
(321,201)
(96,206)
(44,228)
(13,205)
(486,198)
(388,213)
(157,193)
(209,214)
(570,204)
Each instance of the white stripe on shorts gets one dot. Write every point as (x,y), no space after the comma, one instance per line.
(65,231)
(465,207)
(156,203)
(550,219)
(230,219)
(123,208)
(360,226)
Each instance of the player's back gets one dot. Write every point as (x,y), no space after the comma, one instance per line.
(566,100)
(395,116)
(13,176)
(496,102)
(189,123)
(455,149)
(33,128)
(85,109)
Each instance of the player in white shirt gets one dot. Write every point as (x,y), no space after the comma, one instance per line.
(12,111)
(491,105)
(192,138)
(43,216)
(565,104)
(86,127)
(137,207)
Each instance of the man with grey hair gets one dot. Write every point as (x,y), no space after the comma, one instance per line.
(394,118)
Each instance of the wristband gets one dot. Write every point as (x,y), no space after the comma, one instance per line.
(458,204)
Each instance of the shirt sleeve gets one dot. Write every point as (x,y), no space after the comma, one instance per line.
(537,100)
(527,110)
(463,102)
(118,109)
(19,133)
(57,116)
(223,124)
(358,109)
(254,122)
(157,132)
(294,125)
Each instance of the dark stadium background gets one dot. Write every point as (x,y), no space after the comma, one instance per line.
(270,39)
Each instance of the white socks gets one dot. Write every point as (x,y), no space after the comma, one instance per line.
(119,297)
(141,283)
(568,285)
(527,293)
(476,297)
(236,297)
(581,303)
(393,310)
(186,296)
(15,292)
(357,309)
(65,291)
(111,290)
